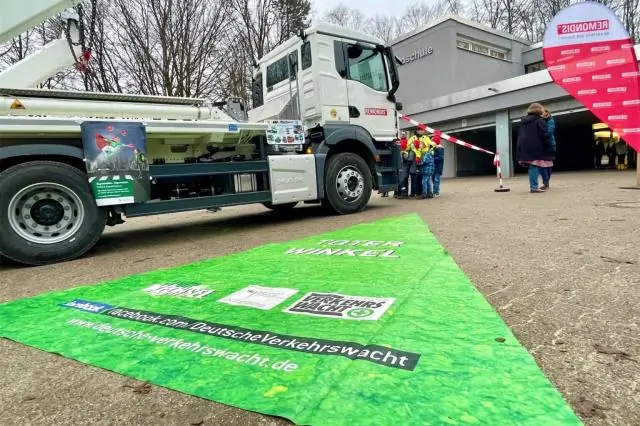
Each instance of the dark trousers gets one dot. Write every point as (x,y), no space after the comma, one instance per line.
(416,184)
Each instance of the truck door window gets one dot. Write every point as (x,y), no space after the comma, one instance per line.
(366,65)
(279,71)
(305,53)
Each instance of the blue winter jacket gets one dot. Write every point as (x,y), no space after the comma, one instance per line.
(438,159)
(551,125)
(427,166)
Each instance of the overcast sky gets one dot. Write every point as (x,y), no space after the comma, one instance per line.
(368,7)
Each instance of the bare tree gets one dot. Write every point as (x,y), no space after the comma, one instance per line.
(419,14)
(630,14)
(456,7)
(106,73)
(386,28)
(172,48)
(345,17)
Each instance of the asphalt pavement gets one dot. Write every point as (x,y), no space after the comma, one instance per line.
(562,268)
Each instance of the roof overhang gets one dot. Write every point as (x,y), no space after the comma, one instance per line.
(496,96)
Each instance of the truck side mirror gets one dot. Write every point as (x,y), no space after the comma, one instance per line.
(354,51)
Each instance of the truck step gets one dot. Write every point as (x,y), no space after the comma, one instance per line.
(386,170)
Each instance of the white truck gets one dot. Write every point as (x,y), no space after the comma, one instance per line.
(73,162)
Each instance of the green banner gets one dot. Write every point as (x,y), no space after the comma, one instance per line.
(373,324)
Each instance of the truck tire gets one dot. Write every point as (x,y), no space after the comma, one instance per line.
(47,213)
(348,183)
(280,207)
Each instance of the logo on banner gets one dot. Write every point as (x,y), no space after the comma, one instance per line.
(174,290)
(586,51)
(583,27)
(333,305)
(85,305)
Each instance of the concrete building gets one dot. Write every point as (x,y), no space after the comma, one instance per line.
(475,82)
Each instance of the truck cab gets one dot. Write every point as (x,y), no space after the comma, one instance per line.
(342,85)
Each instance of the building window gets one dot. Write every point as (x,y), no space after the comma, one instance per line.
(482,49)
(536,66)
(305,52)
(498,54)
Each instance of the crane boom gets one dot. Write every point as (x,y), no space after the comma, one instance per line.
(51,58)
(24,15)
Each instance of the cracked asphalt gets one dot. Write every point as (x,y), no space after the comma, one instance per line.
(562,269)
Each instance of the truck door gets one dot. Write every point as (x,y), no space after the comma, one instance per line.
(367,90)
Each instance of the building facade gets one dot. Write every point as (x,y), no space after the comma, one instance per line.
(460,76)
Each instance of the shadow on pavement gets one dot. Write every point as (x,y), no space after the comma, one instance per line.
(142,238)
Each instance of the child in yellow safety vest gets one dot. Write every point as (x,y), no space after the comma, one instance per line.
(417,146)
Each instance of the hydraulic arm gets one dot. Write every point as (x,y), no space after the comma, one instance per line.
(53,57)
(20,16)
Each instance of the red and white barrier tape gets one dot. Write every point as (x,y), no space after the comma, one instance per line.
(422,126)
(444,136)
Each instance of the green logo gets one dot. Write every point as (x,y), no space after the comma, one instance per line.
(360,312)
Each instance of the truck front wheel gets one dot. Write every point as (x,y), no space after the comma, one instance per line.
(348,183)
(47,213)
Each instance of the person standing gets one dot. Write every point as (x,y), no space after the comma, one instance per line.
(438,163)
(622,151)
(611,152)
(415,158)
(403,179)
(534,147)
(427,167)
(551,127)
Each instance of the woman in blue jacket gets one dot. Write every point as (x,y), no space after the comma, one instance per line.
(551,127)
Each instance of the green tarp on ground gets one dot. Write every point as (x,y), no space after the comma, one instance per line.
(370,325)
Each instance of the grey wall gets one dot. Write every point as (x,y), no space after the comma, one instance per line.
(473,69)
(432,75)
(450,69)
(532,56)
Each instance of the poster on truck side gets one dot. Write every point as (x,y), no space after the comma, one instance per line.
(285,134)
(589,53)
(116,160)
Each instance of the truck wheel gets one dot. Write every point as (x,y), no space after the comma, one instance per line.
(47,213)
(348,183)
(280,207)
